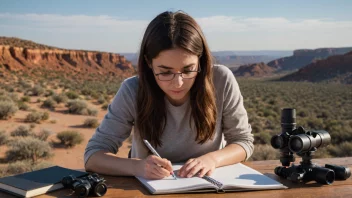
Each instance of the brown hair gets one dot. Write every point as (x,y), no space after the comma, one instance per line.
(166,31)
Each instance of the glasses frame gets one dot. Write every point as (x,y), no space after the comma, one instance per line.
(180,73)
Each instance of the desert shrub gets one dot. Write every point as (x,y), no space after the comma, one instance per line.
(37,90)
(22,130)
(101,99)
(24,84)
(28,148)
(342,150)
(49,103)
(105,106)
(7,109)
(91,123)
(32,126)
(264,152)
(9,88)
(80,107)
(60,98)
(77,106)
(36,117)
(262,138)
(92,112)
(13,96)
(22,106)
(24,166)
(25,98)
(49,92)
(70,138)
(5,98)
(72,95)
(3,138)
(43,134)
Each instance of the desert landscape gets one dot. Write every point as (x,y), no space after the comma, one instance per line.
(52,100)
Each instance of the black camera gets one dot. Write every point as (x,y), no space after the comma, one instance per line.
(304,143)
(91,184)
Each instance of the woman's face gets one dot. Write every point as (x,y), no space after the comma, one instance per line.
(175,60)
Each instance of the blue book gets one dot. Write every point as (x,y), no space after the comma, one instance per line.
(37,182)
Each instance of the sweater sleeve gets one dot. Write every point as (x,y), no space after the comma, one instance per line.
(235,124)
(116,125)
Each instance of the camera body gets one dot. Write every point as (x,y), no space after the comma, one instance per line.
(91,184)
(304,143)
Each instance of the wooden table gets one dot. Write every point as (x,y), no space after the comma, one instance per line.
(130,187)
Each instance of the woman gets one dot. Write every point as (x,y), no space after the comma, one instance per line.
(188,109)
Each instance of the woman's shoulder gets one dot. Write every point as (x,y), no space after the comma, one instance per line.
(222,73)
(130,84)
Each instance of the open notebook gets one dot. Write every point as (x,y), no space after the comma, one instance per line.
(237,177)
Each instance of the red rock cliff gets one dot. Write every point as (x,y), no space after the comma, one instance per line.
(18,58)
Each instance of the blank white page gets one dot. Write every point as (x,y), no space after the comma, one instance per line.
(241,176)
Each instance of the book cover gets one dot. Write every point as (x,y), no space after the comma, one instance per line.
(37,182)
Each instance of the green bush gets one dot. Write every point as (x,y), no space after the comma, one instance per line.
(7,109)
(262,138)
(80,107)
(3,138)
(22,106)
(105,106)
(264,152)
(25,99)
(60,98)
(5,98)
(22,130)
(101,100)
(49,93)
(49,103)
(36,117)
(70,138)
(43,135)
(37,90)
(72,95)
(91,123)
(342,150)
(28,148)
(24,166)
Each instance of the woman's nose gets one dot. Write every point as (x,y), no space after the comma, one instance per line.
(178,80)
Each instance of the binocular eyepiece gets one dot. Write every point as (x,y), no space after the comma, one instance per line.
(303,141)
(91,184)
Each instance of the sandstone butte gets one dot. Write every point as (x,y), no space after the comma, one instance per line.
(61,60)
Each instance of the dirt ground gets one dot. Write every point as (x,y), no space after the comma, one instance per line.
(59,121)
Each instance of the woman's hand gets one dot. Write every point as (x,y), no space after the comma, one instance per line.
(154,167)
(198,166)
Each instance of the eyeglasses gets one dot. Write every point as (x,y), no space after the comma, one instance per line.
(167,76)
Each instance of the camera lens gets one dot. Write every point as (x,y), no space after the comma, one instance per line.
(100,189)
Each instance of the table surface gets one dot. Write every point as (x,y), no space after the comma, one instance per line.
(131,187)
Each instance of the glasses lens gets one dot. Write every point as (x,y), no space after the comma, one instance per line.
(166,76)
(189,74)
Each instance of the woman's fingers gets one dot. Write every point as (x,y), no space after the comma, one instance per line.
(158,167)
(190,168)
(194,170)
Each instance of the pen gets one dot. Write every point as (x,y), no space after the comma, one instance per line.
(155,153)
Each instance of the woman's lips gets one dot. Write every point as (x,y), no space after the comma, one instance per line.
(176,92)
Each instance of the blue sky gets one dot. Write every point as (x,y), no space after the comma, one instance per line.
(118,26)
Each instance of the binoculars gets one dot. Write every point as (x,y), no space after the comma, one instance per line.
(91,184)
(304,143)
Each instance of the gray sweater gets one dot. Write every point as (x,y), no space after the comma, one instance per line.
(178,138)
